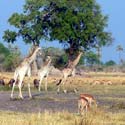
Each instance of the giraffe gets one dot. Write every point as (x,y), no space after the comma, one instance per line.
(24,69)
(69,71)
(44,71)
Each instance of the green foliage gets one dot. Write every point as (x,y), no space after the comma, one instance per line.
(52,51)
(110,63)
(11,61)
(59,57)
(9,57)
(10,36)
(75,24)
(61,61)
(91,58)
(3,50)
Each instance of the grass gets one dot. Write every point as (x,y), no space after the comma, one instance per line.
(101,116)
(94,117)
(119,105)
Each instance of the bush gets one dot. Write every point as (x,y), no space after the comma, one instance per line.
(9,57)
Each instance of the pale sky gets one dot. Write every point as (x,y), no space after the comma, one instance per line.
(113,8)
(116,25)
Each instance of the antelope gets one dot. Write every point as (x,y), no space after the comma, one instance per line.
(90,99)
(2,82)
(36,83)
(11,82)
(96,82)
(83,104)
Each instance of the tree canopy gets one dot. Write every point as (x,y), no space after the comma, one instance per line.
(77,24)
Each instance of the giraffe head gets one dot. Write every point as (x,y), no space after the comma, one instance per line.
(48,59)
(80,52)
(38,50)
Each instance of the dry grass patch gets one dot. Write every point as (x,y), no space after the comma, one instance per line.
(88,78)
(94,117)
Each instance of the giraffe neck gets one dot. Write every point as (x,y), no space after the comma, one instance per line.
(33,56)
(47,63)
(76,61)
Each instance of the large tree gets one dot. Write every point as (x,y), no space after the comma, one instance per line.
(77,24)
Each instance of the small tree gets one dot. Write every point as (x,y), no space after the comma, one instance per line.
(120,50)
(91,59)
(13,59)
(9,57)
(4,50)
(110,63)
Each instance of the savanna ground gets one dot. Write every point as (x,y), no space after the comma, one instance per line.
(50,108)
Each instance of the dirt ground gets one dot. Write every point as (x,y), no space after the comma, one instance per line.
(49,101)
(40,102)
(111,98)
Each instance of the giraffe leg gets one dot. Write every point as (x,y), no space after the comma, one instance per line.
(75,90)
(20,87)
(40,83)
(73,75)
(60,82)
(58,90)
(29,76)
(15,78)
(13,90)
(64,88)
(46,83)
(29,91)
(30,96)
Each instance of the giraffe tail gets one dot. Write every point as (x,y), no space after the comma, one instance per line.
(59,82)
